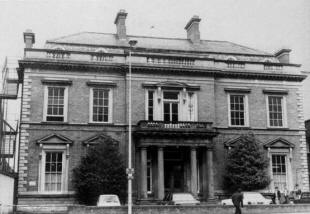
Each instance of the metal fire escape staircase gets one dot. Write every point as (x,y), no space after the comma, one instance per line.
(10,81)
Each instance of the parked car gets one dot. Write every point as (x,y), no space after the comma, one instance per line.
(180,199)
(304,198)
(108,201)
(250,198)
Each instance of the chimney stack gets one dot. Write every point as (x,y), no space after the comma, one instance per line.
(120,24)
(29,38)
(192,28)
(283,55)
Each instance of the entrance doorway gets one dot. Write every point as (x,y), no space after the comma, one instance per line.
(174,169)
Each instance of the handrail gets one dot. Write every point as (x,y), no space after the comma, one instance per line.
(144,124)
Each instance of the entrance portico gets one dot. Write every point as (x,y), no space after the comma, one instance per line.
(175,161)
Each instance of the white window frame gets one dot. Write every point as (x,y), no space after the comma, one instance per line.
(149,166)
(178,101)
(287,167)
(284,113)
(64,175)
(91,92)
(246,109)
(65,113)
(147,104)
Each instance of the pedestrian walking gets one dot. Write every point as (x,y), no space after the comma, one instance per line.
(237,199)
(277,196)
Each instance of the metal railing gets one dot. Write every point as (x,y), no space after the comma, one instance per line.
(182,125)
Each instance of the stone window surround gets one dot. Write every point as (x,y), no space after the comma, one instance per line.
(183,100)
(64,183)
(48,144)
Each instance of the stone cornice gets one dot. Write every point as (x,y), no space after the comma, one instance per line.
(211,71)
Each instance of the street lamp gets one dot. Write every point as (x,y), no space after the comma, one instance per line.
(130,170)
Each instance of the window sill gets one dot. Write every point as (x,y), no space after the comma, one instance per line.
(278,128)
(240,127)
(54,122)
(100,124)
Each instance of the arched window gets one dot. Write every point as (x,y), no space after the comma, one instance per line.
(231,58)
(101,54)
(232,63)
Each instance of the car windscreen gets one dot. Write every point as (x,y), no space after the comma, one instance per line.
(306,195)
(183,197)
(254,197)
(109,198)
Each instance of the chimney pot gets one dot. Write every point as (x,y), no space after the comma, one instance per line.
(283,55)
(29,38)
(192,28)
(120,24)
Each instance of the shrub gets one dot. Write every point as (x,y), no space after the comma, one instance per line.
(101,171)
(247,166)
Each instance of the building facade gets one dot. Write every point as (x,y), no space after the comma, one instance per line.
(192,99)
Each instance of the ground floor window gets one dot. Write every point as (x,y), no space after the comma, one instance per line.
(149,173)
(53,165)
(279,171)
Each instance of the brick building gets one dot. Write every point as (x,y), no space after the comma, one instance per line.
(192,100)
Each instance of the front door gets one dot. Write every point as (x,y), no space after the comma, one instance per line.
(174,171)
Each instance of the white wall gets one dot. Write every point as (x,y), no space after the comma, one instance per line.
(6,193)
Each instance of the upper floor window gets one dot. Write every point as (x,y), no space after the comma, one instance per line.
(276,111)
(238,110)
(150,108)
(100,105)
(55,107)
(171,105)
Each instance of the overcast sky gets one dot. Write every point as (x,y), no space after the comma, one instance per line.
(267,25)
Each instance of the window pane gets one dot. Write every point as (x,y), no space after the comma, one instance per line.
(237,110)
(150,105)
(53,171)
(55,102)
(275,111)
(170,95)
(100,105)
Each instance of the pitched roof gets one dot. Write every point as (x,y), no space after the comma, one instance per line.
(105,39)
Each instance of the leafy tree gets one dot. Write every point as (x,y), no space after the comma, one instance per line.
(101,171)
(246,166)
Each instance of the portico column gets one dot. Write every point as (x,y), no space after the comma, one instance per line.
(160,173)
(210,174)
(193,171)
(143,172)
